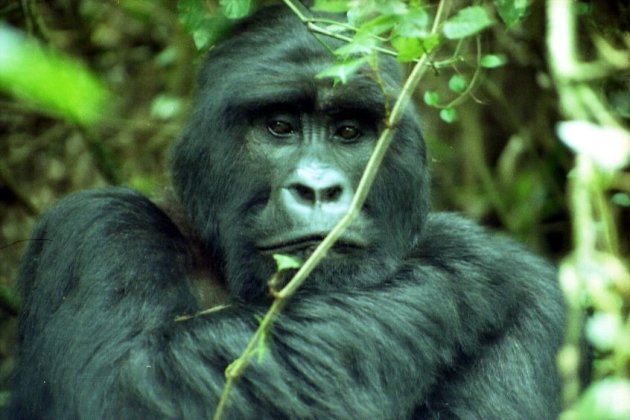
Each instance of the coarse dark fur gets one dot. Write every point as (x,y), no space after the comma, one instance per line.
(420,315)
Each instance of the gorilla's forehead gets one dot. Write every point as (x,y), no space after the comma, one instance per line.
(274,59)
(309,94)
(272,71)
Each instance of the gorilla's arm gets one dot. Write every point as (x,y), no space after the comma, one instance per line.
(104,278)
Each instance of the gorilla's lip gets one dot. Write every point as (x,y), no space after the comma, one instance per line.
(297,243)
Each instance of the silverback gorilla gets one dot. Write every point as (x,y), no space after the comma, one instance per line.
(412,314)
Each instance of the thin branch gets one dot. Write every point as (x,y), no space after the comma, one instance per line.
(473,81)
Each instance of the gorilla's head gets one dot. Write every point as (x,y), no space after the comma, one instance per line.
(272,157)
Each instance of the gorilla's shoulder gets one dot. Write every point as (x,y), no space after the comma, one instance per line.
(455,239)
(101,196)
(446,227)
(106,209)
(112,201)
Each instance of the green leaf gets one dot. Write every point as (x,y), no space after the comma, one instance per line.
(287,262)
(430,42)
(512,11)
(343,71)
(206,29)
(431,98)
(408,49)
(449,115)
(362,44)
(390,7)
(236,9)
(191,14)
(415,24)
(378,25)
(48,80)
(457,83)
(211,30)
(468,21)
(491,61)
(332,6)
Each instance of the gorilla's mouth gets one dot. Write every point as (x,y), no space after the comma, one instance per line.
(307,244)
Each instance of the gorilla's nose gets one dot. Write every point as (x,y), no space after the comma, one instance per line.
(316,192)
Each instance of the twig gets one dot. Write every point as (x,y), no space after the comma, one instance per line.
(312,24)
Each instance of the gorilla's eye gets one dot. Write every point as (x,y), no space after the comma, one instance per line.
(348,132)
(280,128)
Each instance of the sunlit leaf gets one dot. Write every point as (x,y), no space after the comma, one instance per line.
(491,61)
(431,98)
(512,11)
(378,25)
(408,49)
(331,6)
(48,80)
(449,115)
(191,13)
(468,21)
(286,262)
(430,42)
(415,24)
(343,72)
(205,28)
(236,9)
(363,43)
(390,7)
(457,83)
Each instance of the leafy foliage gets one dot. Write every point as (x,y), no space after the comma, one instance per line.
(467,22)
(205,27)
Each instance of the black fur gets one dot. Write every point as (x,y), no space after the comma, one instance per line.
(435,318)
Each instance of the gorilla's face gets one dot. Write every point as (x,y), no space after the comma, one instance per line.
(273,156)
(311,162)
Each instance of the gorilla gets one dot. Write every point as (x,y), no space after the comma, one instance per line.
(413,314)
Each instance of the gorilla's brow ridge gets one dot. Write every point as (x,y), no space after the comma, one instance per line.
(359,96)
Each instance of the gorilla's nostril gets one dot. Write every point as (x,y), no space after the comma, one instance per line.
(311,196)
(303,193)
(332,194)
